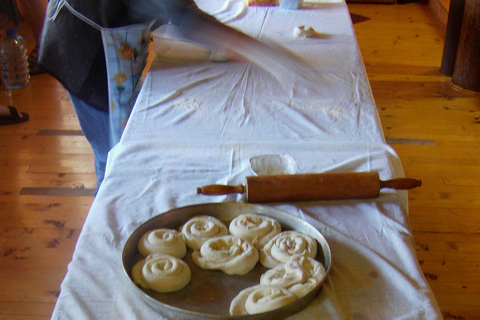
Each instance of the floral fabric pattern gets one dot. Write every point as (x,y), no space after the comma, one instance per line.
(126,52)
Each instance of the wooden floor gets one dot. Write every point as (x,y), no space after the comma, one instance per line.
(436,131)
(47,173)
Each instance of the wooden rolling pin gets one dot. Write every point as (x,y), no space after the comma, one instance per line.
(315,186)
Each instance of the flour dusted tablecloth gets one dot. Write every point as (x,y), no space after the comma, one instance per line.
(238,101)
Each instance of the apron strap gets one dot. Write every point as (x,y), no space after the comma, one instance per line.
(85,19)
(64,3)
(82,17)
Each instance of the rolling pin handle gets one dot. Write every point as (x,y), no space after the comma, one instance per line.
(218,189)
(401,183)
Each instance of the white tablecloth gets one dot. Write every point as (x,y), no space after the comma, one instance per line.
(197,123)
(237,101)
(374,275)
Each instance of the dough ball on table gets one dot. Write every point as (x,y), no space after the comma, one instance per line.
(165,241)
(161,272)
(257,229)
(304,32)
(259,299)
(286,244)
(230,254)
(218,57)
(199,229)
(300,275)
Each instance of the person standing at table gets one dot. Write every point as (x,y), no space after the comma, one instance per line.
(97,49)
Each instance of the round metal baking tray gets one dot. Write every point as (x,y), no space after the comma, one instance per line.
(209,293)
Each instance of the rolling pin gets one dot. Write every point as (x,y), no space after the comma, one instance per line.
(313,186)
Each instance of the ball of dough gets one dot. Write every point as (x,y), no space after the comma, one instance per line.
(259,299)
(137,274)
(199,229)
(218,57)
(286,244)
(303,32)
(300,275)
(165,241)
(254,228)
(162,273)
(230,254)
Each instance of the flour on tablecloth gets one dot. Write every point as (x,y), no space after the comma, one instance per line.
(187,104)
(333,112)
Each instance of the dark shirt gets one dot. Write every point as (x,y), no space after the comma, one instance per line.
(72,51)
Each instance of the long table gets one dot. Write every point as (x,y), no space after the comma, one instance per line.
(198,122)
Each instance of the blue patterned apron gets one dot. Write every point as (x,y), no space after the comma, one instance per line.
(126,52)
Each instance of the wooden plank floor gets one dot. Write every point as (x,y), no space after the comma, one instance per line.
(434,128)
(436,131)
(38,232)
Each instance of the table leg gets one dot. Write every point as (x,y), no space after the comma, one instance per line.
(466,73)
(452,36)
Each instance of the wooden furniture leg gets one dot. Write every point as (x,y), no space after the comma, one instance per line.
(466,73)
(452,36)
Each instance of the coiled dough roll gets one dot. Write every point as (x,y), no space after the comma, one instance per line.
(300,275)
(165,241)
(259,299)
(286,244)
(254,228)
(199,229)
(161,272)
(229,254)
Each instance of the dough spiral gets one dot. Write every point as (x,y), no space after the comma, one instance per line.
(300,275)
(259,299)
(284,245)
(199,229)
(256,229)
(161,272)
(229,254)
(165,241)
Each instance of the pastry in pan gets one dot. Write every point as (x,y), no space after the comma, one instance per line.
(230,254)
(300,275)
(284,245)
(167,241)
(254,228)
(259,299)
(161,272)
(199,229)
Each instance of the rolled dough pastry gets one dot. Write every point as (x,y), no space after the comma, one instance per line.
(199,229)
(230,254)
(254,228)
(259,299)
(286,244)
(300,275)
(161,272)
(165,241)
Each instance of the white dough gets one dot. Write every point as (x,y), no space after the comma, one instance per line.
(161,273)
(271,164)
(304,32)
(218,57)
(259,299)
(300,275)
(165,241)
(254,228)
(286,244)
(137,274)
(230,254)
(199,229)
